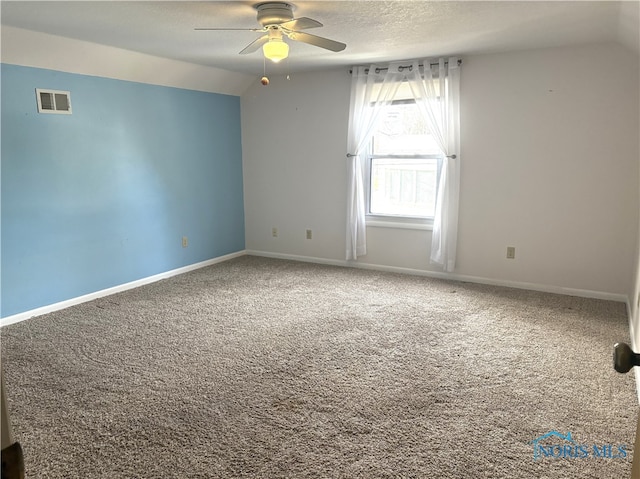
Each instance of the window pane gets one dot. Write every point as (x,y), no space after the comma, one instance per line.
(403,187)
(402,130)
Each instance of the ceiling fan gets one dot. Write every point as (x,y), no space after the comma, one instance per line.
(277,21)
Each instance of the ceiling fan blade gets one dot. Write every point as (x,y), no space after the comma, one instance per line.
(255,45)
(233,29)
(301,23)
(317,41)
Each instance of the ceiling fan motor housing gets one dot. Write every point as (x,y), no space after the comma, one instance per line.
(274,13)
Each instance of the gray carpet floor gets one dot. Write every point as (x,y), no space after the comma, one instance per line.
(263,368)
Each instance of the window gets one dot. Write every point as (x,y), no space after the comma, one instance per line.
(403,167)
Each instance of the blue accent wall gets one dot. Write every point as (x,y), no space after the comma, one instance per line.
(104,196)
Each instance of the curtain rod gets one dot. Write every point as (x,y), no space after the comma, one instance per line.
(402,67)
(351,155)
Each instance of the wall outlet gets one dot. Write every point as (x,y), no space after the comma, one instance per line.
(185,241)
(511,252)
(274,232)
(309,234)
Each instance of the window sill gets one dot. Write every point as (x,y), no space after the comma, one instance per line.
(399,225)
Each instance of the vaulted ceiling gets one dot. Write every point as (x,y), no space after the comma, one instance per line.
(374,31)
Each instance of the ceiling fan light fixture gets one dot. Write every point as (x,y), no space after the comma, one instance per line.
(275,50)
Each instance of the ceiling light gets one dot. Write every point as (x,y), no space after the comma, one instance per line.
(276,49)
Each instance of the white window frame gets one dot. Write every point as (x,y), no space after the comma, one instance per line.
(389,220)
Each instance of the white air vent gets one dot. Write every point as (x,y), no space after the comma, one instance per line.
(53,101)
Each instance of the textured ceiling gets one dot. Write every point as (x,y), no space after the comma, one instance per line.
(372,30)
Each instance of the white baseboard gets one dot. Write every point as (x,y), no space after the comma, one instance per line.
(584,293)
(309,259)
(294,257)
(16,318)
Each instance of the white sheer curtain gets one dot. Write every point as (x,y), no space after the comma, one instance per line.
(371,88)
(436,89)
